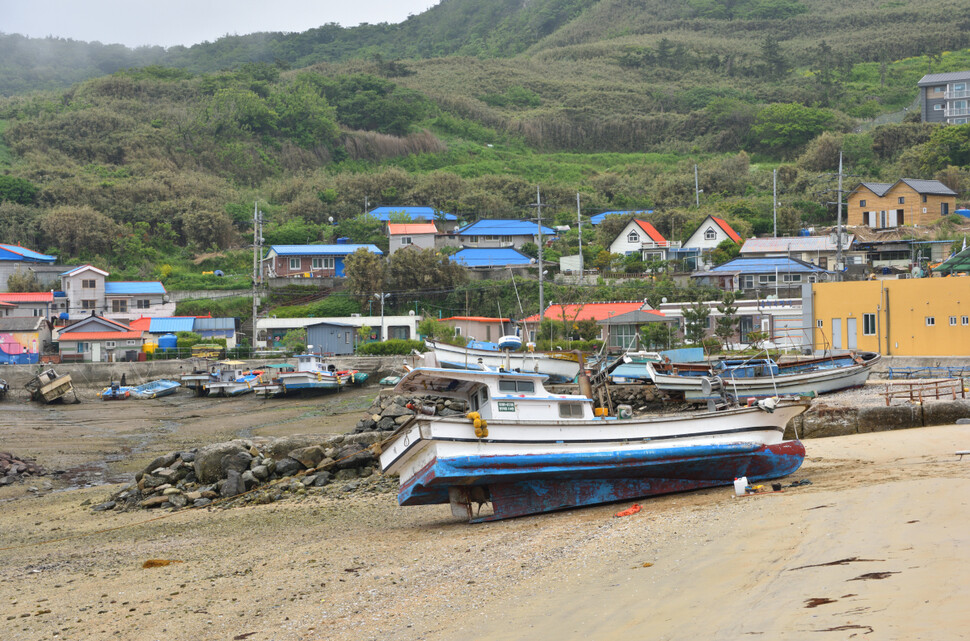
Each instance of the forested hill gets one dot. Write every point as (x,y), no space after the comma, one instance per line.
(858,31)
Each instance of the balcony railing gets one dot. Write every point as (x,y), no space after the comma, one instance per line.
(951,95)
(950,113)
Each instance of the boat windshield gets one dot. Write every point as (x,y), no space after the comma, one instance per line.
(516,386)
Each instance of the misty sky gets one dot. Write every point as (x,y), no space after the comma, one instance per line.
(187,22)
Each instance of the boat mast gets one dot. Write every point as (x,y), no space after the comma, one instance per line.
(257,262)
(538,205)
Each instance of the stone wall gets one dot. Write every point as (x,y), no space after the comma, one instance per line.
(822,420)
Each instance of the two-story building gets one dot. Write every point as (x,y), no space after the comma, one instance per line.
(817,250)
(766,276)
(945,97)
(487,234)
(709,234)
(907,201)
(417,235)
(641,237)
(96,339)
(85,289)
(15,259)
(310,261)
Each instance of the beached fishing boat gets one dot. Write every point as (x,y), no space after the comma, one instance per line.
(155,389)
(524,450)
(49,386)
(230,378)
(115,392)
(763,378)
(313,374)
(558,366)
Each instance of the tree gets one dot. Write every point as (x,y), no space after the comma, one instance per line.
(304,115)
(658,335)
(791,125)
(366,274)
(726,323)
(775,63)
(417,270)
(364,229)
(695,321)
(208,229)
(78,230)
(725,251)
(17,190)
(294,341)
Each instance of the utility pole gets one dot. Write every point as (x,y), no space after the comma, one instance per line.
(538,205)
(697,188)
(838,229)
(257,263)
(774,199)
(579,222)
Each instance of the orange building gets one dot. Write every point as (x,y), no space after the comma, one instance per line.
(905,202)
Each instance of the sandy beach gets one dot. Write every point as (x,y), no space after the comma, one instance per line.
(875,547)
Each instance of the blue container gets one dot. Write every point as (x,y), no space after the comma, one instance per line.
(964,212)
(167,342)
(804,232)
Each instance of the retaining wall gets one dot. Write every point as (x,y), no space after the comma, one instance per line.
(822,420)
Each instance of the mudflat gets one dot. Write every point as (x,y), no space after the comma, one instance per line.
(875,544)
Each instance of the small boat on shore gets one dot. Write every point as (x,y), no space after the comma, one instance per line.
(155,389)
(757,378)
(49,386)
(525,450)
(313,374)
(560,367)
(115,392)
(230,378)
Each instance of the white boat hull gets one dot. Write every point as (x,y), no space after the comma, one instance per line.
(560,366)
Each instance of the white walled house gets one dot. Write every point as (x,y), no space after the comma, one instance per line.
(640,236)
(711,233)
(86,290)
(417,235)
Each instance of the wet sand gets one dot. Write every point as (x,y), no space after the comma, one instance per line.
(353,565)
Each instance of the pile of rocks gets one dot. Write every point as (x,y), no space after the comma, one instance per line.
(198,477)
(14,468)
(388,412)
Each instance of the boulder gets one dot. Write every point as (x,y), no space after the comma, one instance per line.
(208,460)
(154,501)
(261,472)
(249,480)
(308,456)
(945,412)
(234,484)
(353,456)
(322,478)
(237,461)
(282,446)
(386,424)
(178,500)
(164,460)
(288,466)
(395,410)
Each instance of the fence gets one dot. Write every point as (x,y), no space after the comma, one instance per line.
(921,390)
(937,371)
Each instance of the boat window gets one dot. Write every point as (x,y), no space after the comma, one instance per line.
(571,410)
(516,386)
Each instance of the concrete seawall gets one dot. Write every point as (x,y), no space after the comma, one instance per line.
(822,420)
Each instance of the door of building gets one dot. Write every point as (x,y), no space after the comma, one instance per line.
(850,333)
(837,333)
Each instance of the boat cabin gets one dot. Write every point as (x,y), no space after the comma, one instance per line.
(228,371)
(498,394)
(312,363)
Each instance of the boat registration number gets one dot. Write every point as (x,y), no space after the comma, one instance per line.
(506,406)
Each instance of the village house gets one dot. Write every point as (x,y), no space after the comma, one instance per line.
(945,97)
(774,275)
(415,214)
(310,261)
(205,326)
(417,235)
(480,328)
(905,202)
(85,289)
(641,237)
(709,234)
(270,331)
(817,250)
(15,259)
(23,339)
(30,304)
(96,339)
(568,314)
(488,234)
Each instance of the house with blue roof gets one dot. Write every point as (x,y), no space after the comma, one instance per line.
(14,258)
(598,218)
(475,257)
(501,233)
(766,276)
(310,261)
(416,214)
(86,290)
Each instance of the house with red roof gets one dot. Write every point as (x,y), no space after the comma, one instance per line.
(480,328)
(602,313)
(709,234)
(417,235)
(97,339)
(32,304)
(639,236)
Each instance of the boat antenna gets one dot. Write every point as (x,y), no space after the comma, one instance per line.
(516,288)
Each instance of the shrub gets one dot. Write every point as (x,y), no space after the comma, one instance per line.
(390,347)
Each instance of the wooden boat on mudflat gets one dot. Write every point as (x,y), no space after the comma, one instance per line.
(558,366)
(155,389)
(524,450)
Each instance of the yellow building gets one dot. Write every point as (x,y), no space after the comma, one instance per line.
(910,317)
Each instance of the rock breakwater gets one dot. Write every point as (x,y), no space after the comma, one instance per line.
(14,468)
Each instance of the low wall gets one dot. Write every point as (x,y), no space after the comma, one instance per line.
(822,420)
(98,375)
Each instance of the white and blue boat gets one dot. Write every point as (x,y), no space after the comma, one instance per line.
(478,355)
(115,392)
(230,378)
(155,389)
(523,450)
(314,374)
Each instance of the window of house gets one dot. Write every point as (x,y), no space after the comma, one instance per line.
(89,284)
(119,306)
(862,203)
(571,410)
(965,320)
(37,312)
(748,281)
(902,200)
(294,263)
(953,321)
(962,86)
(710,234)
(516,386)
(924,198)
(764,279)
(88,304)
(110,344)
(944,209)
(83,348)
(930,321)
(959,121)
(633,237)
(143,303)
(819,323)
(406,240)
(937,107)
(457,331)
(129,342)
(868,324)
(346,338)
(473,239)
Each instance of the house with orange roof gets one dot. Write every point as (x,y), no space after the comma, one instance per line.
(569,313)
(32,304)
(97,339)
(86,289)
(709,234)
(480,328)
(639,236)
(417,235)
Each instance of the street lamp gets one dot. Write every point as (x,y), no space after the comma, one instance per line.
(382,297)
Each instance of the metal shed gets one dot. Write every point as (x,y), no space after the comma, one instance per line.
(331,339)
